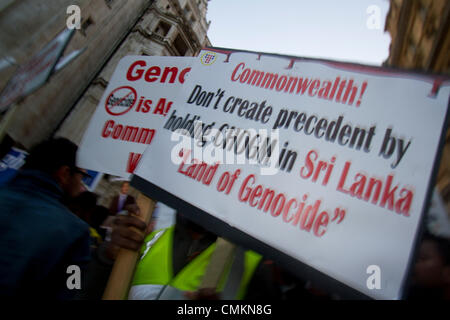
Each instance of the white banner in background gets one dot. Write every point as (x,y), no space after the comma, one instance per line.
(348,152)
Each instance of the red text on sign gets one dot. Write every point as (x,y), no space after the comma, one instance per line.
(344,91)
(138,69)
(292,210)
(133,160)
(117,131)
(377,191)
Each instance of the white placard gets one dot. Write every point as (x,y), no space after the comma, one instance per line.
(351,161)
(135,103)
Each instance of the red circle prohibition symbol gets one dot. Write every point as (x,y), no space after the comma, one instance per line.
(119,104)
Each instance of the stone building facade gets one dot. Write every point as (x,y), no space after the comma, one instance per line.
(420,32)
(110,29)
(161,31)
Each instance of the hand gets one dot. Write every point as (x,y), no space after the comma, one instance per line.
(128,232)
(133,209)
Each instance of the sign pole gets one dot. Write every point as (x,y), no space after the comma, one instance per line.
(222,254)
(123,269)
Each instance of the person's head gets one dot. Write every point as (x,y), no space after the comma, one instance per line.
(57,158)
(125,187)
(84,205)
(432,268)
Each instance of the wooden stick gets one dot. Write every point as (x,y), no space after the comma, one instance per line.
(222,254)
(123,269)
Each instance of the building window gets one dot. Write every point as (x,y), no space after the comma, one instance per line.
(180,45)
(162,29)
(423,10)
(430,28)
(412,47)
(420,61)
(187,10)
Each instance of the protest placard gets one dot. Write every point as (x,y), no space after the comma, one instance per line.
(135,103)
(326,165)
(126,121)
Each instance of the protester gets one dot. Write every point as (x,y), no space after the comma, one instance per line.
(121,200)
(174,261)
(431,274)
(39,237)
(118,204)
(99,216)
(123,236)
(86,208)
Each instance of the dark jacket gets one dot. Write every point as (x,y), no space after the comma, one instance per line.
(39,239)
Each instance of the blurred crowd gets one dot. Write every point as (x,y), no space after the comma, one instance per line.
(49,222)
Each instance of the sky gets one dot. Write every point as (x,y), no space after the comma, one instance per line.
(343,30)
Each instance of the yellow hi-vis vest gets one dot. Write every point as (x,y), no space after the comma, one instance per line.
(155,267)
